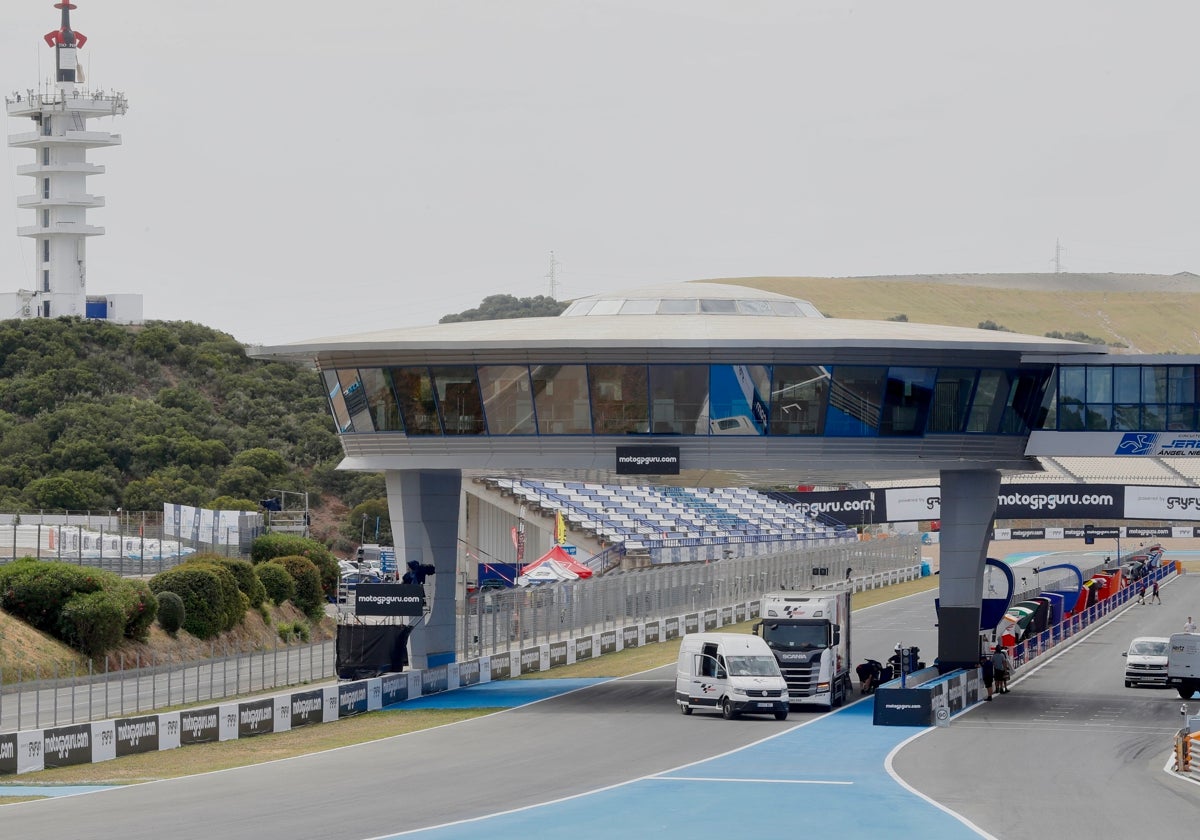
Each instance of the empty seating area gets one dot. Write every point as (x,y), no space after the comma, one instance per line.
(640,518)
(1119,470)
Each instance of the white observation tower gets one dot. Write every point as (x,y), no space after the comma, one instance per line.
(60,141)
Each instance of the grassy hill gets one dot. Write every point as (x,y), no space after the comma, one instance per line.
(1147,313)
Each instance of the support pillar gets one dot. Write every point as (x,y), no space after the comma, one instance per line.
(424,509)
(968,509)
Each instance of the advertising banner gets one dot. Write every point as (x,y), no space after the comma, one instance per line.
(850,507)
(389,599)
(903,707)
(308,707)
(912,504)
(434,680)
(64,746)
(137,735)
(1162,502)
(647,460)
(8,754)
(256,717)
(352,699)
(199,726)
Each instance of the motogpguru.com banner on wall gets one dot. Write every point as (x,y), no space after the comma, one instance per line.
(1014,501)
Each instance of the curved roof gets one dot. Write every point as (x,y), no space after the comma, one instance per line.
(680,331)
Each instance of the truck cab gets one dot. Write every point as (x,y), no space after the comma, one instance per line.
(808,632)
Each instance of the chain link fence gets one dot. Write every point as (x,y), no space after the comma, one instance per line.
(495,621)
(127,542)
(119,687)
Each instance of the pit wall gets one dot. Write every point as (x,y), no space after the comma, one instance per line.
(29,751)
(925,692)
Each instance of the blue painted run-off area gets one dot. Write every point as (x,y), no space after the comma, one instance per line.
(827,776)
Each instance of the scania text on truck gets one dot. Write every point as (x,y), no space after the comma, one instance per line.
(808,631)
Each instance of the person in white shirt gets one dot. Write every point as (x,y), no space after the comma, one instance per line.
(1189,626)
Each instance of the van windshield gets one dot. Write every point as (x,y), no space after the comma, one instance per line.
(1149,647)
(753,666)
(795,636)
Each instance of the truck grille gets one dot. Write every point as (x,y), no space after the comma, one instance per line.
(800,679)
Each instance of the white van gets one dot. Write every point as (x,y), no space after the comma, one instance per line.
(733,673)
(1146,661)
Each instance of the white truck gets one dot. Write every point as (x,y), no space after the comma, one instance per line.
(733,673)
(1183,664)
(809,633)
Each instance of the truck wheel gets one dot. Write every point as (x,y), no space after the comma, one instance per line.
(685,709)
(1128,684)
(727,711)
(781,715)
(1185,692)
(839,696)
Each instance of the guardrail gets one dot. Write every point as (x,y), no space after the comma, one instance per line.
(36,698)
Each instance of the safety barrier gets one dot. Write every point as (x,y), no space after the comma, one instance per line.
(28,751)
(926,697)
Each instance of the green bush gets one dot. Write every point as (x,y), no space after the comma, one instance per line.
(35,591)
(275,579)
(171,612)
(271,546)
(140,605)
(243,573)
(212,602)
(93,622)
(292,630)
(308,597)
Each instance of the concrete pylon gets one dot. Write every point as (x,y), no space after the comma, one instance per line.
(968,510)
(424,507)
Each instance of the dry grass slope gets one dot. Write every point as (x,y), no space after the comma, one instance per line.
(1147,319)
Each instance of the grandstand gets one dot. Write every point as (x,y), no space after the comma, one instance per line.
(646,519)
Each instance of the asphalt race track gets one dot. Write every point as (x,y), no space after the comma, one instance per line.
(1070,750)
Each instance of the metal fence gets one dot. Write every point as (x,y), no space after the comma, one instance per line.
(119,687)
(495,621)
(128,542)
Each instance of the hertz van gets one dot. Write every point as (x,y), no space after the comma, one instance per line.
(732,673)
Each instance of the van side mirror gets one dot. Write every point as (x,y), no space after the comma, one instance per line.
(756,628)
(1123,653)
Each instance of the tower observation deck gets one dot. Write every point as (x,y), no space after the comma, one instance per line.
(60,141)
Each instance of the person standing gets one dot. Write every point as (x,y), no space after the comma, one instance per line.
(1142,594)
(989,674)
(1002,666)
(1189,626)
(1154,594)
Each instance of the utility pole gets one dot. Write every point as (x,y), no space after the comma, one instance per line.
(1058,266)
(552,276)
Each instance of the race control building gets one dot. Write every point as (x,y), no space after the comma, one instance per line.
(702,384)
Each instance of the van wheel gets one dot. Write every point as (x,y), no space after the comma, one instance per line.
(727,711)
(685,709)
(781,716)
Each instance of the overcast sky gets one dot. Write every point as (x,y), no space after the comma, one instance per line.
(294,170)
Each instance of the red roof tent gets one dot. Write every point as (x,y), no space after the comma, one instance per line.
(560,556)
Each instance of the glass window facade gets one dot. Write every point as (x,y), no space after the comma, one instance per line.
(776,400)
(1148,398)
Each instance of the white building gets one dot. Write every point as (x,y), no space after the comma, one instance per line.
(60,141)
